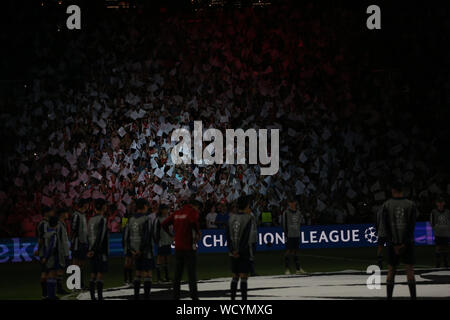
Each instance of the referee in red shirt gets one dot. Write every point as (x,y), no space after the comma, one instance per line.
(187,233)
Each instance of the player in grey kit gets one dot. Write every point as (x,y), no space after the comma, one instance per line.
(238,234)
(398,221)
(139,244)
(98,251)
(79,236)
(291,227)
(440,222)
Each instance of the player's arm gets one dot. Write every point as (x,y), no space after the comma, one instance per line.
(284,222)
(196,226)
(244,243)
(432,219)
(386,224)
(412,223)
(228,237)
(41,233)
(167,223)
(48,249)
(74,227)
(157,231)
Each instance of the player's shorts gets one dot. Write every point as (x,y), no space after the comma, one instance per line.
(405,256)
(44,268)
(164,250)
(292,243)
(80,253)
(99,263)
(382,241)
(64,264)
(52,263)
(441,241)
(143,264)
(240,265)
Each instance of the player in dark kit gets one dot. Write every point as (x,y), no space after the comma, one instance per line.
(79,236)
(128,261)
(291,227)
(440,222)
(187,232)
(139,243)
(41,229)
(399,220)
(238,234)
(63,243)
(98,251)
(52,255)
(163,242)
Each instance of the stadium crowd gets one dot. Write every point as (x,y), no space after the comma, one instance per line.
(96,119)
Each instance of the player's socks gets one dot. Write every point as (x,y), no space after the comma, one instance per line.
(147,287)
(297,263)
(438,259)
(412,289)
(380,261)
(59,287)
(44,287)
(244,289)
(137,286)
(158,272)
(166,271)
(100,289)
(252,267)
(389,289)
(287,261)
(51,288)
(234,284)
(445,258)
(92,289)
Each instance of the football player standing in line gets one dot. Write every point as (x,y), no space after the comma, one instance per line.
(41,229)
(399,220)
(63,246)
(163,241)
(238,234)
(79,242)
(291,227)
(98,240)
(187,233)
(440,222)
(139,243)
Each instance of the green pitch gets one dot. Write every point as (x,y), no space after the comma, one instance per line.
(21,280)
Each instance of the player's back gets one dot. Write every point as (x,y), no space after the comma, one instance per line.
(291,223)
(399,219)
(440,221)
(239,231)
(97,229)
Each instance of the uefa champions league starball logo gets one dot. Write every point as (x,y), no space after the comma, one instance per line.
(371,235)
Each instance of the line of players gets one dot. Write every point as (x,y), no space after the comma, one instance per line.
(141,236)
(395,224)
